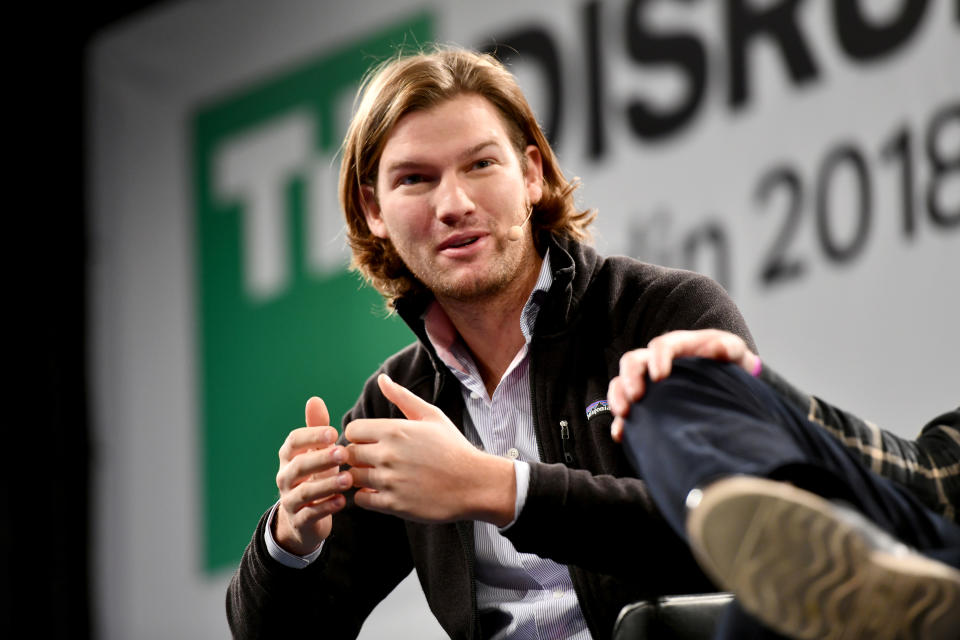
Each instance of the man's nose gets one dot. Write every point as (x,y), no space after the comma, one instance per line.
(452,200)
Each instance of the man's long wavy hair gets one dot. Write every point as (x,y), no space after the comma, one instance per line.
(404,84)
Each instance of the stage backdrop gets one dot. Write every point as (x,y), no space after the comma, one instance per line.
(806,154)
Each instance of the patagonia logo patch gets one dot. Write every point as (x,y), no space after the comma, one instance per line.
(598,407)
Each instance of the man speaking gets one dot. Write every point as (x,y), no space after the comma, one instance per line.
(481,454)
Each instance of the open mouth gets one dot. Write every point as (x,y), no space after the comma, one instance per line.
(464,243)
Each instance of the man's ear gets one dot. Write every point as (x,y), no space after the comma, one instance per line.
(371,211)
(534,174)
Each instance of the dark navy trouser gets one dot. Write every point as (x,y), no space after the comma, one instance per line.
(710,419)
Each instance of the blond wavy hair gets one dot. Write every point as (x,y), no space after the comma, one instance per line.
(410,83)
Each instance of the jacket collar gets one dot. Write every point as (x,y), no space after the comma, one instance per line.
(575,266)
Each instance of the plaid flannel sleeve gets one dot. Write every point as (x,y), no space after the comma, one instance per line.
(928,466)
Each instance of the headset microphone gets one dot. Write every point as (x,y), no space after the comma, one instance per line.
(515,232)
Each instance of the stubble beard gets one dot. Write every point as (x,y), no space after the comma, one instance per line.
(502,270)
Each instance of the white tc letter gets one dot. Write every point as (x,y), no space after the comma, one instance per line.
(255,168)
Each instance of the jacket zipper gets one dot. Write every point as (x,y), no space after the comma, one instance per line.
(568,458)
(533,402)
(465,531)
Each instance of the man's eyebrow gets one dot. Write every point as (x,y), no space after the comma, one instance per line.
(404,165)
(479,147)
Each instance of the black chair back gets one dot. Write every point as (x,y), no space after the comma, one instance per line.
(692,617)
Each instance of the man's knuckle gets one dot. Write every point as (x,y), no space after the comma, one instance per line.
(288,503)
(295,467)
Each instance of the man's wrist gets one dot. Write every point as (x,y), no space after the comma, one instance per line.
(496,502)
(280,554)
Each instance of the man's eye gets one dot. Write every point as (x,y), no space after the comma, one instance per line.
(413,178)
(482,164)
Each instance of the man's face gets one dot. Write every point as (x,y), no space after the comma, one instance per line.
(449,187)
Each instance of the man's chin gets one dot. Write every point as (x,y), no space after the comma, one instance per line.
(467,287)
(479,282)
(465,291)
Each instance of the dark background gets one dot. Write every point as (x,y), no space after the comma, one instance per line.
(47,520)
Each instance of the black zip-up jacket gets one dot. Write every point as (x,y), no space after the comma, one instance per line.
(583,509)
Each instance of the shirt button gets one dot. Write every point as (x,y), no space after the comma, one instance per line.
(513,453)
(558,593)
(474,395)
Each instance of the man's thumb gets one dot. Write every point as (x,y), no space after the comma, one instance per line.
(413,406)
(317,414)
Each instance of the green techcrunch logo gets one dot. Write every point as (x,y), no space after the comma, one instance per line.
(279,317)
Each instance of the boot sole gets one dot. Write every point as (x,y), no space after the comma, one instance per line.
(805,572)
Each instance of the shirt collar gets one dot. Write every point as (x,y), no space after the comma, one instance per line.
(445,339)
